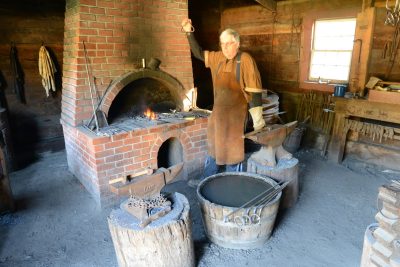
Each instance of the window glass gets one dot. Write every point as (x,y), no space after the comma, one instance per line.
(331,51)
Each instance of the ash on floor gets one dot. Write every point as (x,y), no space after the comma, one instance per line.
(58,224)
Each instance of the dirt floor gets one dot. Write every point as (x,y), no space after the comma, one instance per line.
(58,224)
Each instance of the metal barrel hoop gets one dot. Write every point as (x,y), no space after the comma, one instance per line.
(255,219)
(246,219)
(239,220)
(379,207)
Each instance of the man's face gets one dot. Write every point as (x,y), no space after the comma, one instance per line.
(229,46)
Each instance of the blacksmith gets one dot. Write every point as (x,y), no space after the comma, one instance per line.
(237,88)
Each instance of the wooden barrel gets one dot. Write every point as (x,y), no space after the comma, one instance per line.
(369,240)
(166,242)
(221,197)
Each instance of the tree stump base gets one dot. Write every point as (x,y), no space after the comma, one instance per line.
(285,170)
(166,241)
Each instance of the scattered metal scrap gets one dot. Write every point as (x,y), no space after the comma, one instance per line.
(147,210)
(146,203)
(137,122)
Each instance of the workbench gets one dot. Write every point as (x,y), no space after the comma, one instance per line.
(357,108)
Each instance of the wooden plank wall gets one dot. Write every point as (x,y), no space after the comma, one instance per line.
(383,34)
(28,24)
(274,39)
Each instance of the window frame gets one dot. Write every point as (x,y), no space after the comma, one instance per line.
(306,42)
(314,50)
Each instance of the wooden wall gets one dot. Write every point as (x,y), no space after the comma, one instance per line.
(273,38)
(35,125)
(379,65)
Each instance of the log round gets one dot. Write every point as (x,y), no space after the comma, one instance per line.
(285,170)
(166,241)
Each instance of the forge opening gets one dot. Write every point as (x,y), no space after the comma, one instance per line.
(170,153)
(139,95)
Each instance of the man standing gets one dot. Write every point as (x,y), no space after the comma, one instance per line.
(237,86)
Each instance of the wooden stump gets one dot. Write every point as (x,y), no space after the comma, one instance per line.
(285,170)
(164,242)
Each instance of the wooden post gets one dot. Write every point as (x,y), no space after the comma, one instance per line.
(362,49)
(165,242)
(285,170)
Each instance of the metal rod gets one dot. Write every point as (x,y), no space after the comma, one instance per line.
(264,196)
(101,99)
(250,201)
(271,196)
(90,87)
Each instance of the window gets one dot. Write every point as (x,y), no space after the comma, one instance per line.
(331,50)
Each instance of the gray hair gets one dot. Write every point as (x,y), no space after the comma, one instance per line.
(231,32)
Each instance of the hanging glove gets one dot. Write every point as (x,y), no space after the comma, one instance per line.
(256,115)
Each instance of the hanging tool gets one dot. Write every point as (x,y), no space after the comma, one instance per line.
(18,74)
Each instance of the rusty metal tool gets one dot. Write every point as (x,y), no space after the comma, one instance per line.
(147,185)
(146,202)
(129,177)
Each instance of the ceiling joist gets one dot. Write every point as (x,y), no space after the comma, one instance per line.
(268,4)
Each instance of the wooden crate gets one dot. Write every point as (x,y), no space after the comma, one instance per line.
(384,96)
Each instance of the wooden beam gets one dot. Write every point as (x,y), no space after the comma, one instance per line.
(268,4)
(361,50)
(367,4)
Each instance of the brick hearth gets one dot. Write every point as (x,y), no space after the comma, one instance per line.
(118,34)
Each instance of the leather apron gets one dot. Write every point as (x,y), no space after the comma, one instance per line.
(226,123)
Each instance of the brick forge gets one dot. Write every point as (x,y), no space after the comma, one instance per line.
(117,35)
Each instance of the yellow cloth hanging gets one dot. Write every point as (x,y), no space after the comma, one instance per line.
(47,70)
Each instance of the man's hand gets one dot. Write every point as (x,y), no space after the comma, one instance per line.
(257,116)
(187,25)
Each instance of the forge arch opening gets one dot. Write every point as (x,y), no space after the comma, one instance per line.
(139,95)
(131,91)
(170,153)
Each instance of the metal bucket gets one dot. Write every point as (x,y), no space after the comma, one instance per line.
(340,90)
(247,228)
(293,140)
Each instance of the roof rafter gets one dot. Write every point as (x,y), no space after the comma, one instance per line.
(268,4)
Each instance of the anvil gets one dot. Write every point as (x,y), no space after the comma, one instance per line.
(271,139)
